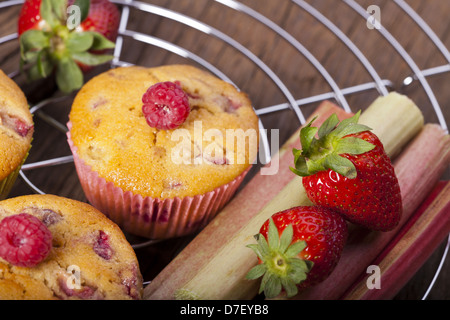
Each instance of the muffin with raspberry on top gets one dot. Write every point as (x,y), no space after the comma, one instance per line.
(161,150)
(57,248)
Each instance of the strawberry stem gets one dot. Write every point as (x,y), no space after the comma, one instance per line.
(60,50)
(280,266)
(324,152)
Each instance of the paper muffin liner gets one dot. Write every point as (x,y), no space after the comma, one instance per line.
(7,183)
(149,217)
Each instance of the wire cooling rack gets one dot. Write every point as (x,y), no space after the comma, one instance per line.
(289,100)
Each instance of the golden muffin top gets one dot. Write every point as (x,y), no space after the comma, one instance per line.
(216,143)
(16,126)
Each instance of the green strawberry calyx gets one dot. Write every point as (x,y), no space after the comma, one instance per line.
(280,267)
(333,140)
(59,47)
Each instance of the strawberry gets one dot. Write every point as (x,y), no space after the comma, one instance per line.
(103,17)
(66,37)
(297,248)
(348,170)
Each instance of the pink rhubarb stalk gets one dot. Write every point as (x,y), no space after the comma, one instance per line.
(409,250)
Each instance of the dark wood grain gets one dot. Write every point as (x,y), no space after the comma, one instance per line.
(293,69)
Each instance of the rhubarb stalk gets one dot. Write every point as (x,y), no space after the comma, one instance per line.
(410,248)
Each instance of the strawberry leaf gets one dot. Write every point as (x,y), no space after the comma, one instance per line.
(256,250)
(79,41)
(272,286)
(290,286)
(352,119)
(307,134)
(286,238)
(68,75)
(295,248)
(301,167)
(353,145)
(299,172)
(100,41)
(33,40)
(33,73)
(84,8)
(264,280)
(328,126)
(350,126)
(44,64)
(307,137)
(272,236)
(297,274)
(263,246)
(59,8)
(48,14)
(91,59)
(256,272)
(341,165)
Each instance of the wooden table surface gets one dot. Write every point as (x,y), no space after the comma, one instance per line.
(271,44)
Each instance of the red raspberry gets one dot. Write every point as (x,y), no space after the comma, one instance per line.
(166,105)
(24,240)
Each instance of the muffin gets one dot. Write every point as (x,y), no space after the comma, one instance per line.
(161,182)
(16,130)
(88,255)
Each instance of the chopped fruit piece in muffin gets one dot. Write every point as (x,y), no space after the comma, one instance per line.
(19,126)
(102,247)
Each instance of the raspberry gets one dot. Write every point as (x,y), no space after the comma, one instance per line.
(25,241)
(166,105)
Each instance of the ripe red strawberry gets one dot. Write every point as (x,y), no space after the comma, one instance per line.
(298,248)
(103,17)
(347,169)
(66,37)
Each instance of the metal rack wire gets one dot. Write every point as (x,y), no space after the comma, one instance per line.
(382,86)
